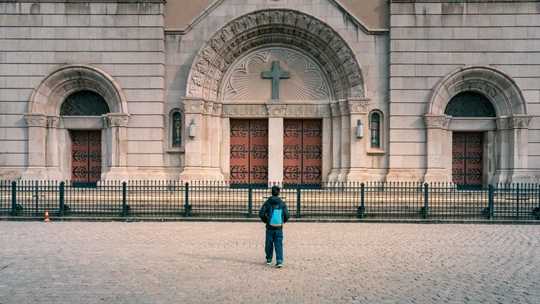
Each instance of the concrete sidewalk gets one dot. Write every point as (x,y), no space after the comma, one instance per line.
(223,262)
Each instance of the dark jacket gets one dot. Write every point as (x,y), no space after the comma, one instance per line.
(265,210)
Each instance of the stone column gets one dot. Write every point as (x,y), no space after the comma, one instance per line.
(193,109)
(52,146)
(345,141)
(436,126)
(215,141)
(276,111)
(503,151)
(117,149)
(519,134)
(205,131)
(358,109)
(37,133)
(336,142)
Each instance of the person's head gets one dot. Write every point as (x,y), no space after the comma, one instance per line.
(275,190)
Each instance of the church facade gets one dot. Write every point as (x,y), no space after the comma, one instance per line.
(262,91)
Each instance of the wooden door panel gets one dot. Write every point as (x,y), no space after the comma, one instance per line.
(249,151)
(467,158)
(86,156)
(302,152)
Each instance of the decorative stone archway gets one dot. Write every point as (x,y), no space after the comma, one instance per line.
(507,133)
(48,130)
(208,101)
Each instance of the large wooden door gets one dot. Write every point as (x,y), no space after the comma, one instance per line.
(249,152)
(467,158)
(85,157)
(302,152)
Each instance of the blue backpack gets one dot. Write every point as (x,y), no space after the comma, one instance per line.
(276,215)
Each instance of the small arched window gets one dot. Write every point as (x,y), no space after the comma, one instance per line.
(176,129)
(375,127)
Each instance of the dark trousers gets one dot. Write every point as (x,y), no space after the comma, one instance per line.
(274,238)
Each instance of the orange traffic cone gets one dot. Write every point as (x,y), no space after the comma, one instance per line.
(46,216)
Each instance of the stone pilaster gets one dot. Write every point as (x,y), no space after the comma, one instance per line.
(358,110)
(193,109)
(52,146)
(519,135)
(336,142)
(436,126)
(37,134)
(345,141)
(216,138)
(275,142)
(116,156)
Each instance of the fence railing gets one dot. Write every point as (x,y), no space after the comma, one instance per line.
(370,200)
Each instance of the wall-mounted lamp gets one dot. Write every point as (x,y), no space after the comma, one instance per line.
(359,129)
(192,129)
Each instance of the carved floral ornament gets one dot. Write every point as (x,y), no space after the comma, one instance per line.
(358,106)
(36,120)
(515,122)
(437,121)
(277,27)
(118,120)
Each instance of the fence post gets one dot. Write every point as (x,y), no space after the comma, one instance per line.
(186,207)
(37,197)
(517,202)
(491,203)
(426,198)
(13,198)
(298,201)
(362,207)
(124,194)
(61,213)
(250,201)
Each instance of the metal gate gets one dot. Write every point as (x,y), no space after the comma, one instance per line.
(302,152)
(85,157)
(249,152)
(467,158)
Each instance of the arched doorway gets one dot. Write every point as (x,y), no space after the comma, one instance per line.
(65,102)
(485,105)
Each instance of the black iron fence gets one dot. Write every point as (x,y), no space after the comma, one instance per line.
(170,199)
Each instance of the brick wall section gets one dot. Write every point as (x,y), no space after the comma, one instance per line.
(125,40)
(429,39)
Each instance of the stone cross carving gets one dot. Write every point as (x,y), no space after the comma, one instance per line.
(275,74)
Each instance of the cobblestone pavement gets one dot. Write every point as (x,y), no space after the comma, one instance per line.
(223,262)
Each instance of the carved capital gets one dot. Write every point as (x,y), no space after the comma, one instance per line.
(503,124)
(520,121)
(334,107)
(116,119)
(216,109)
(36,120)
(193,106)
(276,110)
(437,121)
(344,107)
(52,121)
(208,106)
(358,105)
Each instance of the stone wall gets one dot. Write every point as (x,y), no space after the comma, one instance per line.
(431,39)
(124,40)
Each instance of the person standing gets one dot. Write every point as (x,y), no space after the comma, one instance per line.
(274,233)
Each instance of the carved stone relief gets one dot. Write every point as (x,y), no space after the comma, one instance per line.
(277,27)
(306,80)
